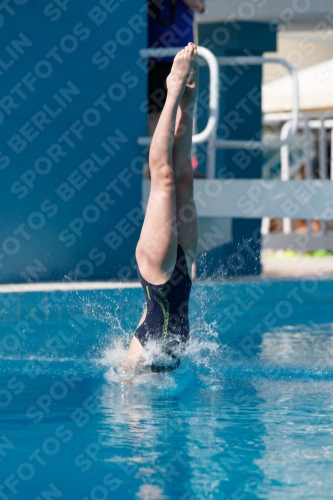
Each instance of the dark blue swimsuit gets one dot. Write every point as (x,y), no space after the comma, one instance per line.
(167,310)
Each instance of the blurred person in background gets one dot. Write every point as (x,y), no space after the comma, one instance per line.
(170,25)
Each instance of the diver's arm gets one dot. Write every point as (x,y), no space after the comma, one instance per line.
(135,352)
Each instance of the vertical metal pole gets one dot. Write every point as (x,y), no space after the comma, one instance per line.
(214,109)
(322,160)
(307,150)
(331,159)
(265,223)
(308,166)
(284,151)
(211,157)
(322,151)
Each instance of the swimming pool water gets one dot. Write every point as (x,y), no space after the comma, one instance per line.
(249,413)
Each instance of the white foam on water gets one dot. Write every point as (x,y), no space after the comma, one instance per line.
(197,355)
(134,373)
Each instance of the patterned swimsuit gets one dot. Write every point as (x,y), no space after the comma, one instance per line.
(167,310)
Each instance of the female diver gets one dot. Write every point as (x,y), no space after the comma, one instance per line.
(168,239)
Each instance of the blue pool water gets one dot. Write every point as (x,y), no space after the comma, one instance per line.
(249,413)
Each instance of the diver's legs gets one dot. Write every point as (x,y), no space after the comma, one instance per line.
(157,247)
(156,251)
(182,161)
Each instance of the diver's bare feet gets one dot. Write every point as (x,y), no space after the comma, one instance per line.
(180,71)
(193,79)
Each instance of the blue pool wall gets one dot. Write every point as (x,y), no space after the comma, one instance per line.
(72,107)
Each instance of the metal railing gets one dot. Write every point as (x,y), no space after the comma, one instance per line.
(209,133)
(214,90)
(255,61)
(308,121)
(288,133)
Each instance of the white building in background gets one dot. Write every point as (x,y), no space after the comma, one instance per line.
(305,39)
(311,54)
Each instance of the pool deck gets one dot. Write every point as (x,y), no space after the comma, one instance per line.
(298,267)
(66,287)
(272,270)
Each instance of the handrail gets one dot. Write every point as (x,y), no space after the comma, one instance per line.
(214,94)
(284,154)
(309,121)
(253,61)
(209,133)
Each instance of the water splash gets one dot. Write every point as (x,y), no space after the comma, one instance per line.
(199,356)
